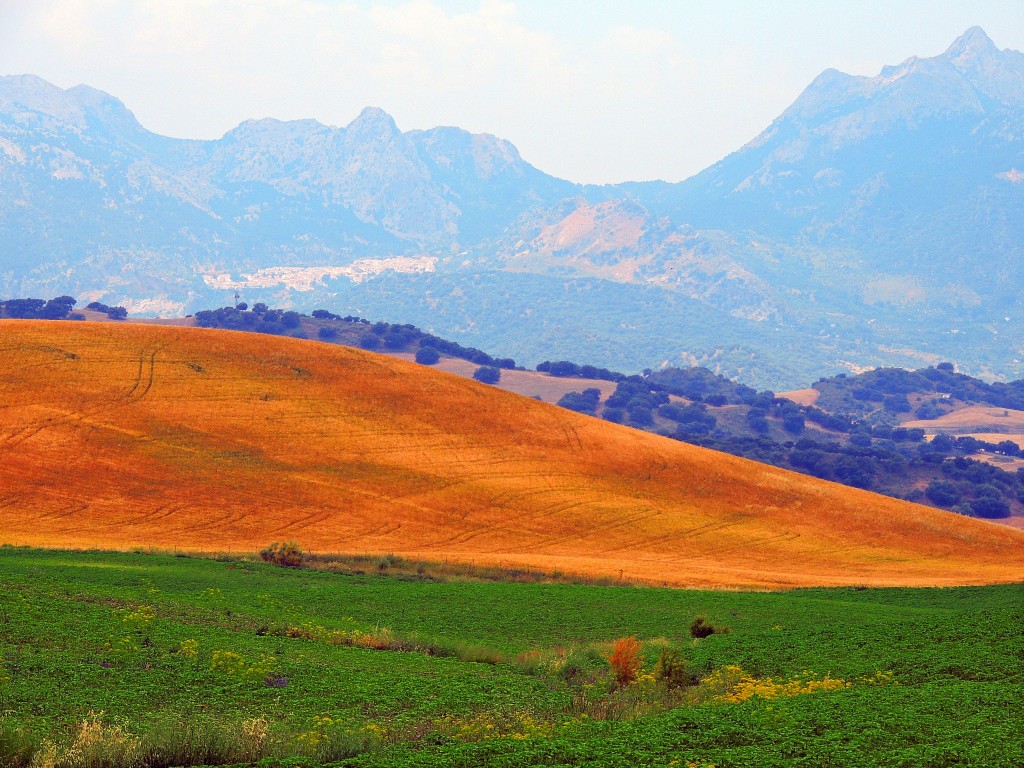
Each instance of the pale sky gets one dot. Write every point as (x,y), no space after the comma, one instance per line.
(589,90)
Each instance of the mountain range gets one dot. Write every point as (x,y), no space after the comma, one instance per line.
(875,222)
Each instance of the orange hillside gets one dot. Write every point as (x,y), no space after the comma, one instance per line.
(119,436)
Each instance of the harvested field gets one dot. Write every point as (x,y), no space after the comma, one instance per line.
(1009,463)
(121,436)
(533,384)
(802,396)
(974,419)
(101,317)
(996,437)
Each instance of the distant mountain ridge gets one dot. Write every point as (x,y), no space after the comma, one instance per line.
(875,222)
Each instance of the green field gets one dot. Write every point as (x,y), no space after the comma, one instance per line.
(174,660)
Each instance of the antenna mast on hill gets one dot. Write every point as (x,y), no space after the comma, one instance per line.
(237,297)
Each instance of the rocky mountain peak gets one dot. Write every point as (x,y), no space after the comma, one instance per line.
(81,106)
(997,75)
(372,122)
(972,77)
(972,44)
(270,130)
(33,94)
(102,108)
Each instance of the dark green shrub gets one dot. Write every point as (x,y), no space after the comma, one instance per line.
(943,493)
(487,375)
(615,415)
(701,627)
(671,669)
(991,508)
(427,356)
(369,341)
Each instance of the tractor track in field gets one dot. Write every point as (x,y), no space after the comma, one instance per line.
(301,523)
(687,533)
(748,544)
(141,386)
(509,524)
(585,531)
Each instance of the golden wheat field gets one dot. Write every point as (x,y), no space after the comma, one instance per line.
(122,436)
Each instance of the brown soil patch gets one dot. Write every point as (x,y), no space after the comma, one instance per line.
(1009,463)
(549,389)
(805,397)
(101,317)
(119,436)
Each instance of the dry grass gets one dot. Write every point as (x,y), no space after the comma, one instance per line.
(974,419)
(117,436)
(101,317)
(996,437)
(802,396)
(1008,463)
(533,384)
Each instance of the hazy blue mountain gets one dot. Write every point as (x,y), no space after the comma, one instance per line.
(92,202)
(912,180)
(877,221)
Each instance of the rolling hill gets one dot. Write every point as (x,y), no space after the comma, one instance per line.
(179,438)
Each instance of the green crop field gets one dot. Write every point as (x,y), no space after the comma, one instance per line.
(153,660)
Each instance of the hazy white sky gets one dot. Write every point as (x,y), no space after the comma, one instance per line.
(589,90)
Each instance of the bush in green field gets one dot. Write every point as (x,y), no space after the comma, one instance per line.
(16,745)
(286,553)
(625,660)
(700,627)
(671,669)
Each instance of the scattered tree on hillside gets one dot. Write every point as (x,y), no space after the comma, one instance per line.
(564,368)
(370,341)
(114,313)
(58,308)
(487,374)
(582,402)
(427,356)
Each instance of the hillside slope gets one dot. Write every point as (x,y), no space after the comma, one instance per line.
(122,436)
